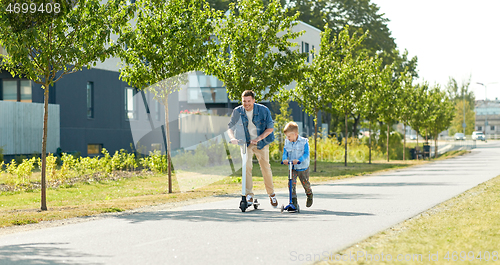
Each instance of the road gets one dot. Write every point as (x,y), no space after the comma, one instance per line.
(343,213)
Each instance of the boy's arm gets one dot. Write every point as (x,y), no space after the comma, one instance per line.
(285,155)
(306,153)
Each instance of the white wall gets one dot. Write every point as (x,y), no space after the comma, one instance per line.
(21,128)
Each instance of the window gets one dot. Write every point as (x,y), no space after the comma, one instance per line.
(90,99)
(25,90)
(312,54)
(492,127)
(10,90)
(94,149)
(130,106)
(17,90)
(479,128)
(305,49)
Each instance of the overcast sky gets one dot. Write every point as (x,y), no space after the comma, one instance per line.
(450,38)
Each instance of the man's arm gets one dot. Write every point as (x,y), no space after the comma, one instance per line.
(232,123)
(233,139)
(262,136)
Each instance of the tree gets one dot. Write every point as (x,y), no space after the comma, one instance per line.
(255,49)
(169,39)
(369,102)
(419,114)
(458,118)
(441,114)
(390,92)
(346,69)
(44,48)
(280,120)
(458,93)
(406,104)
(311,91)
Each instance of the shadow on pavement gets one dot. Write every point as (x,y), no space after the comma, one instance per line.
(234,215)
(395,184)
(41,253)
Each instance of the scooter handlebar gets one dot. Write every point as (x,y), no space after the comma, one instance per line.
(290,162)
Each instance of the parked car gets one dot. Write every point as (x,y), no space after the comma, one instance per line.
(478,136)
(459,136)
(413,137)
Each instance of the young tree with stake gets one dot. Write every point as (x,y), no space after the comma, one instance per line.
(44,47)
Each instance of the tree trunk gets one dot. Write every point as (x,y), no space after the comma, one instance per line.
(404,142)
(315,135)
(169,163)
(416,147)
(345,156)
(370,142)
(44,145)
(355,125)
(436,147)
(388,133)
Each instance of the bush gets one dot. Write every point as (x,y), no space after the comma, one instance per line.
(155,162)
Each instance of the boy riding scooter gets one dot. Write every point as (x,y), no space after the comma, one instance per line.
(297,150)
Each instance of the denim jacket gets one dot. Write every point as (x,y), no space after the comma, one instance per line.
(261,118)
(297,150)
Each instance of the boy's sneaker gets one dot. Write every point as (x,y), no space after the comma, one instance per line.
(309,200)
(274,201)
(295,203)
(249,200)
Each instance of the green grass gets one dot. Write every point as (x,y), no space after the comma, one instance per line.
(461,230)
(95,197)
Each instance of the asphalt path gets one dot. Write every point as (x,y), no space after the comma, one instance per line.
(344,212)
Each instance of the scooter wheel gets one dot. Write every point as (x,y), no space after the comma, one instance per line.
(282,208)
(243,206)
(256,204)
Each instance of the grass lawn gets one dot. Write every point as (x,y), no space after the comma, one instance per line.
(95,197)
(463,230)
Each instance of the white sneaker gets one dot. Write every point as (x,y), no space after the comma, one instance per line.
(249,200)
(274,201)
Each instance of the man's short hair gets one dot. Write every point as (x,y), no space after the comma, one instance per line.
(248,93)
(291,127)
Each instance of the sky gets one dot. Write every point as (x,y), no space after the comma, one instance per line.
(456,39)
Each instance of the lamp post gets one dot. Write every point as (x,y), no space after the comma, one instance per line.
(486,107)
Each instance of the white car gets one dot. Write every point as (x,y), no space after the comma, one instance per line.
(459,136)
(478,136)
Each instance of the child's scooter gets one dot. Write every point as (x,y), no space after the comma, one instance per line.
(244,204)
(290,207)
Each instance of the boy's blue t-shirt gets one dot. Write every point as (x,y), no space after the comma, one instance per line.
(297,150)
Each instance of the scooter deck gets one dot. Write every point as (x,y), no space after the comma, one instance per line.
(244,205)
(289,208)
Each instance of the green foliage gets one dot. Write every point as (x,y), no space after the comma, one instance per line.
(458,92)
(280,120)
(255,49)
(156,162)
(45,52)
(458,119)
(25,169)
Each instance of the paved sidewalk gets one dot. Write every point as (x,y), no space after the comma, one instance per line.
(343,213)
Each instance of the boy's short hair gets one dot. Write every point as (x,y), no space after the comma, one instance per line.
(248,93)
(291,127)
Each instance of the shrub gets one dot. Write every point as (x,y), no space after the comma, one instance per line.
(155,162)
(24,170)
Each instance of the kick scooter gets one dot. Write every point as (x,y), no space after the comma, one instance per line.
(290,207)
(244,204)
